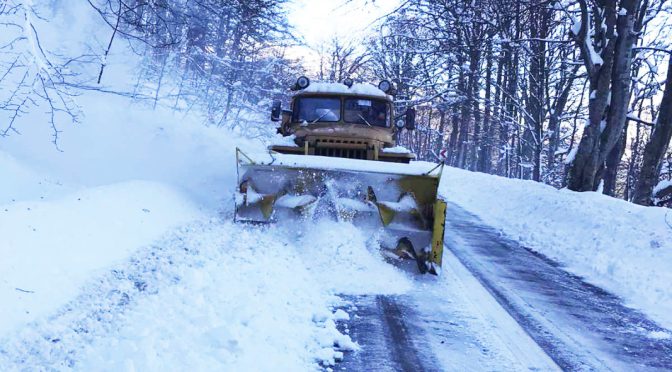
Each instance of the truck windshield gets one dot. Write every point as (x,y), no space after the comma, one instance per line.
(316,109)
(366,111)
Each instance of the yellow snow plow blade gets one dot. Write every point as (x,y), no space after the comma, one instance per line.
(399,198)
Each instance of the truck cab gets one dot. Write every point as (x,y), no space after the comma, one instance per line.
(343,120)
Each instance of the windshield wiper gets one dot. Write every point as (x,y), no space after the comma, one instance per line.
(367,123)
(321,116)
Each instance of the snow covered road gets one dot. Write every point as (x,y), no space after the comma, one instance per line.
(500,306)
(214,295)
(449,324)
(580,326)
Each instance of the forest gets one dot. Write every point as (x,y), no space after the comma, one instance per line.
(576,94)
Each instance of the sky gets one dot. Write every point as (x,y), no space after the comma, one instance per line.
(318,21)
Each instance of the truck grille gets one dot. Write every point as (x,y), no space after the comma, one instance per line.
(341,153)
(341,148)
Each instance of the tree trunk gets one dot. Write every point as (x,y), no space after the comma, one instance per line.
(440,138)
(465,113)
(485,145)
(612,163)
(499,104)
(611,148)
(583,173)
(474,64)
(610,87)
(537,77)
(558,109)
(656,147)
(452,144)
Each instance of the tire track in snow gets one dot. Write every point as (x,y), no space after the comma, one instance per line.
(406,355)
(447,323)
(384,327)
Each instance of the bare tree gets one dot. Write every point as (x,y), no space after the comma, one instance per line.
(341,60)
(656,147)
(607,57)
(32,77)
(227,55)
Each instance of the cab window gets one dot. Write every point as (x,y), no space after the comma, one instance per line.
(366,111)
(316,109)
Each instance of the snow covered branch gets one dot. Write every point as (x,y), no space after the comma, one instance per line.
(35,80)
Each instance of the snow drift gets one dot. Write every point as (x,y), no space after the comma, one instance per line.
(49,248)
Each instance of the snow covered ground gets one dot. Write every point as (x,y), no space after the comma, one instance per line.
(125,176)
(212,295)
(118,252)
(123,256)
(107,272)
(619,246)
(49,248)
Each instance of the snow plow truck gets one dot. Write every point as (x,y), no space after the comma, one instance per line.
(338,159)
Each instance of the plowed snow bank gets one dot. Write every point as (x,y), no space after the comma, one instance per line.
(49,248)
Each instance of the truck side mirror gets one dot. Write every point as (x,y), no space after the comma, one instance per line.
(410,118)
(276,111)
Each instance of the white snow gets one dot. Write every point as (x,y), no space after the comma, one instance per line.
(244,292)
(280,140)
(300,161)
(576,26)
(595,58)
(25,183)
(561,151)
(661,186)
(514,349)
(50,247)
(660,335)
(572,155)
(356,205)
(250,302)
(406,204)
(338,88)
(119,253)
(126,176)
(341,315)
(619,246)
(622,12)
(289,201)
(216,296)
(71,217)
(396,150)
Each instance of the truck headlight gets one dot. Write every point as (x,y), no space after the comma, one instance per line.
(302,82)
(385,86)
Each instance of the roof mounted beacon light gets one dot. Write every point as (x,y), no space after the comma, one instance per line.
(348,82)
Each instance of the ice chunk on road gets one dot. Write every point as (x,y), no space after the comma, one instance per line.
(340,314)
